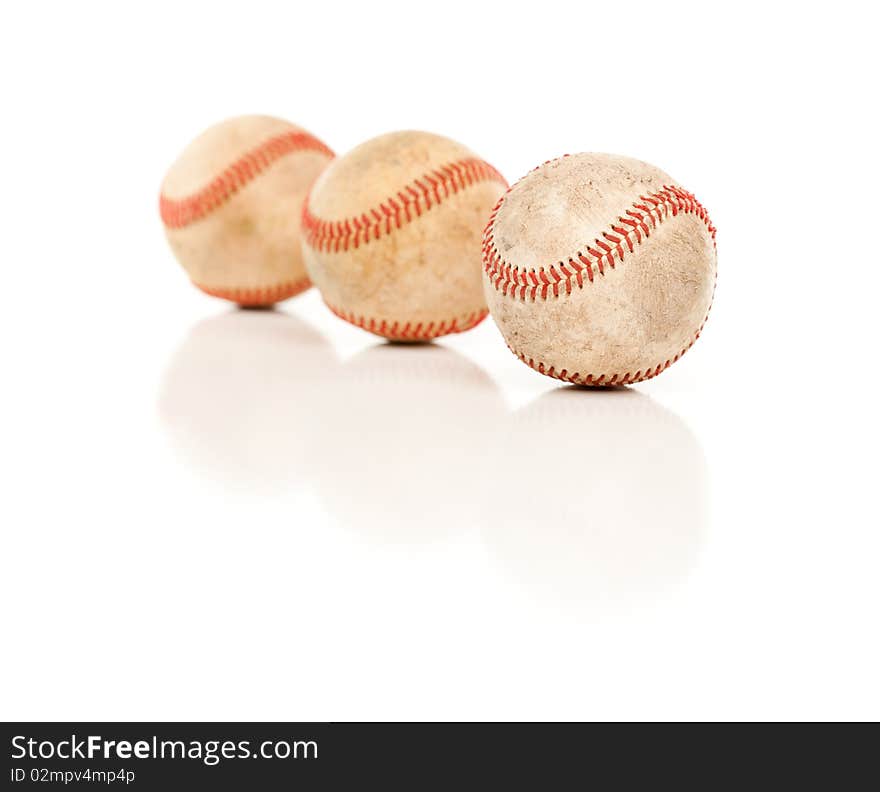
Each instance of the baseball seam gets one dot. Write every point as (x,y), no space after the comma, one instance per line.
(258,295)
(638,222)
(410,331)
(606,380)
(529,284)
(180,212)
(407,204)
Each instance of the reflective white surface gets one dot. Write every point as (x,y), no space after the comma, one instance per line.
(583,495)
(215,514)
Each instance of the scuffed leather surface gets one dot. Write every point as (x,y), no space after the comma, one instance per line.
(252,241)
(428,270)
(638,315)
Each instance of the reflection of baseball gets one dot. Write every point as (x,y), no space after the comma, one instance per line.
(391,235)
(241,394)
(421,418)
(598,269)
(231,205)
(606,497)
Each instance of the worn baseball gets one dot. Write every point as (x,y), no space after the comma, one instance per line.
(391,235)
(599,269)
(231,207)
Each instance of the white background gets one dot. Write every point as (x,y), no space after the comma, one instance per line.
(212,514)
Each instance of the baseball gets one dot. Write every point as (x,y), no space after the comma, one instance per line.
(231,206)
(599,269)
(391,235)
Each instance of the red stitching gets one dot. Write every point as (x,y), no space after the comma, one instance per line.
(651,209)
(403,207)
(607,380)
(266,295)
(410,331)
(623,235)
(180,212)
